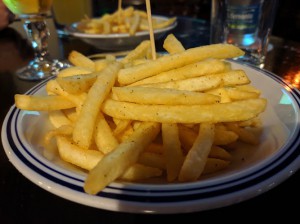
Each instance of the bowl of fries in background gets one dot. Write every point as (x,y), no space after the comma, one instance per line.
(189,131)
(122,30)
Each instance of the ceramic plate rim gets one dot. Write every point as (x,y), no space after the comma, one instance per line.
(174,198)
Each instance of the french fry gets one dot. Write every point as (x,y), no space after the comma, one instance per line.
(140,172)
(58,118)
(243,134)
(153,160)
(149,95)
(77,83)
(84,126)
(42,103)
(172,45)
(196,158)
(205,67)
(213,165)
(104,137)
(139,52)
(73,70)
(113,165)
(226,112)
(172,150)
(80,60)
(70,152)
(220,51)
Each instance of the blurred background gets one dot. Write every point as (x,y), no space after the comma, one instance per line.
(287,22)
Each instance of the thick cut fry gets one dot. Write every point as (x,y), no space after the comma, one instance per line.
(204,83)
(201,83)
(224,137)
(140,172)
(84,126)
(219,153)
(70,152)
(42,103)
(226,112)
(196,158)
(206,67)
(153,160)
(172,150)
(77,84)
(213,165)
(149,95)
(104,137)
(172,45)
(139,52)
(168,62)
(113,165)
(79,59)
(244,134)
(74,70)
(58,118)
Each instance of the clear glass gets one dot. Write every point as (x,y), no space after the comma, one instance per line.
(246,24)
(33,14)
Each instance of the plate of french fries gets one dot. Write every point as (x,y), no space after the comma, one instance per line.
(190,130)
(121,30)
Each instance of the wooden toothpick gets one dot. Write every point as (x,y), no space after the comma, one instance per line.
(151,33)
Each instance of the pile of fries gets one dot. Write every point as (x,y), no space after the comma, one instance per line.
(128,20)
(137,118)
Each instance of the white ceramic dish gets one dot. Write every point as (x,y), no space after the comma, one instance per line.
(252,172)
(118,42)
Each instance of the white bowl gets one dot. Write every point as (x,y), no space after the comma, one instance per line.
(254,170)
(119,42)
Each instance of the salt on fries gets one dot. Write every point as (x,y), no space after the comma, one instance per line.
(128,20)
(137,118)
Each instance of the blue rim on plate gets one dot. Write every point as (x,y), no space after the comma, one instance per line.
(236,185)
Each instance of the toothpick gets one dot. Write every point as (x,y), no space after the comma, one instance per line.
(151,33)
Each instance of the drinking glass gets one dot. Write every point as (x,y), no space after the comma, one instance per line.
(33,14)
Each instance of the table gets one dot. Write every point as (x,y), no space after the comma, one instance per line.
(21,201)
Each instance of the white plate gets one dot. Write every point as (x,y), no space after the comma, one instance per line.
(119,41)
(252,172)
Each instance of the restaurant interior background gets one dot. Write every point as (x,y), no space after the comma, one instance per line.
(286,25)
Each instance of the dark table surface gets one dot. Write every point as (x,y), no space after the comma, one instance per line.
(21,201)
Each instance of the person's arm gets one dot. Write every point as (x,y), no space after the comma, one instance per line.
(4,16)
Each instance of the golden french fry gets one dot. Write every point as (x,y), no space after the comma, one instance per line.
(196,158)
(113,164)
(58,118)
(219,153)
(220,51)
(172,45)
(70,152)
(73,70)
(172,150)
(84,126)
(42,103)
(121,126)
(134,24)
(140,172)
(80,60)
(225,112)
(153,160)
(244,134)
(213,165)
(201,83)
(151,95)
(104,137)
(139,52)
(77,83)
(236,94)
(224,137)
(206,67)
